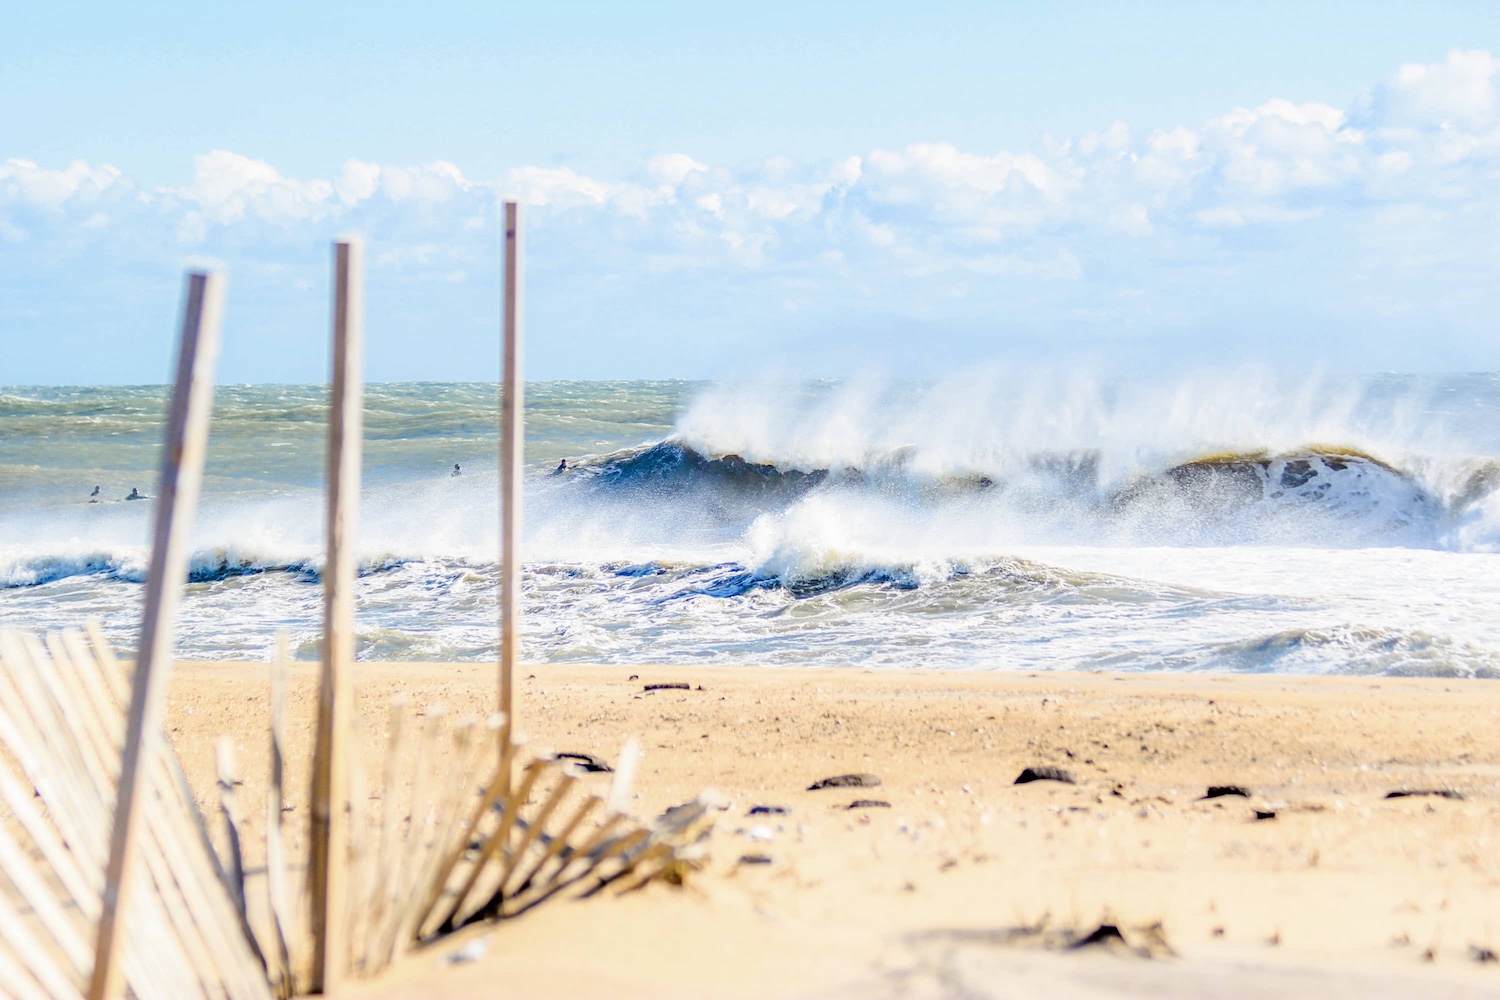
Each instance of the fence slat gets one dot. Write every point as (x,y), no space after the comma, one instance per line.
(512,448)
(328,869)
(177,496)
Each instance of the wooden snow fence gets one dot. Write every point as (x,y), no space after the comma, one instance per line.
(445,850)
(110,879)
(448,848)
(62,727)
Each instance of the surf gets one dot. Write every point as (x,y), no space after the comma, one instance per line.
(1226,521)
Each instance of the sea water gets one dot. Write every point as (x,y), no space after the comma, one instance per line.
(1229,521)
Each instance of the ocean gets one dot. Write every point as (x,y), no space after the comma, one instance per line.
(1234,521)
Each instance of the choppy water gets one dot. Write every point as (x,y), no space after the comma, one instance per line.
(1231,522)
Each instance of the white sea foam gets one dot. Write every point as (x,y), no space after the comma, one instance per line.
(994,422)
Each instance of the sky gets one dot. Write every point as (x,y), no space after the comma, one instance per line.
(730,189)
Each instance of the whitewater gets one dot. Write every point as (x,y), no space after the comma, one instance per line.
(1235,521)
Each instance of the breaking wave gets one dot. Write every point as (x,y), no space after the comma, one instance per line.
(1225,498)
(886,521)
(204,566)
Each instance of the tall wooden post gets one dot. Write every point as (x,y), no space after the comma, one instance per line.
(329,859)
(512,435)
(176,497)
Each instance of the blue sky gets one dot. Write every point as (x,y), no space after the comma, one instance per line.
(726,189)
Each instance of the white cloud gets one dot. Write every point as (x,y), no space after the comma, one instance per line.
(22,181)
(1459,92)
(357,181)
(228,187)
(1415,159)
(555,186)
(1242,120)
(847,171)
(713,204)
(1278,163)
(436,182)
(671,169)
(925,168)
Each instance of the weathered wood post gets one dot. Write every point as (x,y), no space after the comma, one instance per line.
(512,446)
(176,498)
(329,857)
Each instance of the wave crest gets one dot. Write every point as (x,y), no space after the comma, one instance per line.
(1224,497)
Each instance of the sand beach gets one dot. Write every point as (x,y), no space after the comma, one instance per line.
(951,880)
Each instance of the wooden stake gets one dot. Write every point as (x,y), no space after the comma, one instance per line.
(61,776)
(328,869)
(33,954)
(181,476)
(625,765)
(390,812)
(562,839)
(358,891)
(94,730)
(534,828)
(593,859)
(224,768)
(467,755)
(114,674)
(278,901)
(512,437)
(457,848)
(43,901)
(499,838)
(47,843)
(409,842)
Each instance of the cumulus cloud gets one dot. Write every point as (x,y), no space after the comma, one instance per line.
(1427,132)
(671,169)
(357,181)
(228,187)
(24,182)
(556,187)
(1458,92)
(1311,182)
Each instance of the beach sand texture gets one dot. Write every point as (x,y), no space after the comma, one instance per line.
(966,884)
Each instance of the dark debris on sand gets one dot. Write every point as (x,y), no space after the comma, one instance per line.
(1146,941)
(1220,791)
(845,781)
(589,762)
(1441,793)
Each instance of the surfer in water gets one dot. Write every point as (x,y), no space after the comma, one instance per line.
(94,496)
(458,470)
(135,494)
(561,468)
